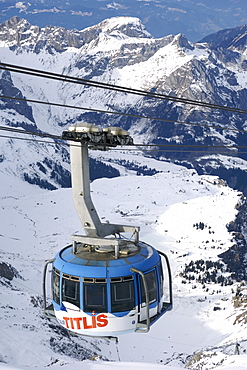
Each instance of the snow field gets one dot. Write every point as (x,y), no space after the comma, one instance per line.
(37,223)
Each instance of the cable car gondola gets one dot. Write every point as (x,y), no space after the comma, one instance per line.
(104,286)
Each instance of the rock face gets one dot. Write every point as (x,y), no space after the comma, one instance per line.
(7,271)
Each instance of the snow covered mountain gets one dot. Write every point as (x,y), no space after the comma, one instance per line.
(161,17)
(120,51)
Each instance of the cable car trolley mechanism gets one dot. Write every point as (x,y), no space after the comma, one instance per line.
(103,284)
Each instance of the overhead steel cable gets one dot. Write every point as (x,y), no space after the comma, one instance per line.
(147,150)
(192,151)
(26,132)
(118,88)
(56,137)
(175,148)
(159,147)
(120,113)
(193,145)
(32,139)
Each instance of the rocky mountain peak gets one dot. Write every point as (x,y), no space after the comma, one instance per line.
(17,32)
(129,26)
(15,22)
(182,41)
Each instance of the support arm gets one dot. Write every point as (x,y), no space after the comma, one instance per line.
(82,197)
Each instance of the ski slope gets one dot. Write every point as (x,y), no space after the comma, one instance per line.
(36,223)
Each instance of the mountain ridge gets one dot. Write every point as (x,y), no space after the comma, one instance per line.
(23,33)
(120,51)
(160,17)
(229,38)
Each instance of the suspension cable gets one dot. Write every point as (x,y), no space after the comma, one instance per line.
(102,85)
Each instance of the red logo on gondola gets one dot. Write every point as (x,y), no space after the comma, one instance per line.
(89,322)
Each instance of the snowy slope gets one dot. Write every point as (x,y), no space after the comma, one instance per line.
(36,223)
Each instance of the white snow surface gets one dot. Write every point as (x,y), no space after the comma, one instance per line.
(36,224)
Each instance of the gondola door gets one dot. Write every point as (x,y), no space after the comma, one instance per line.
(148,293)
(148,297)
